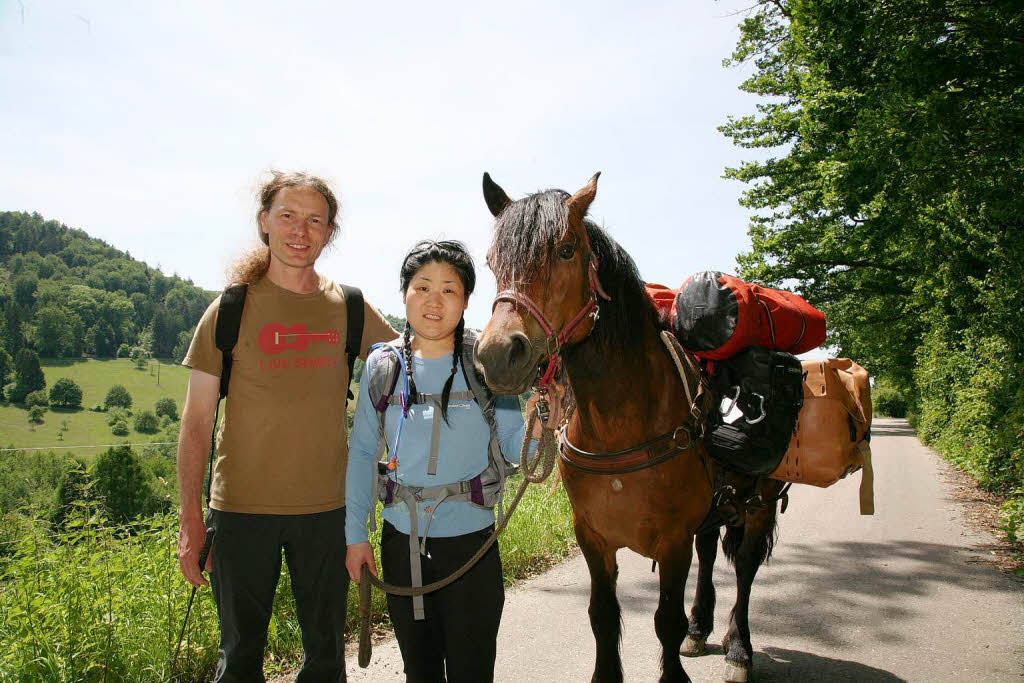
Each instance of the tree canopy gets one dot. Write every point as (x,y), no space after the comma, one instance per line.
(889,194)
(65,294)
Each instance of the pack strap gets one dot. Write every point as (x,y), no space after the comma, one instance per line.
(229,320)
(354,315)
(435,428)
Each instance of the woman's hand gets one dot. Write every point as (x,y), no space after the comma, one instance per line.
(556,395)
(356,556)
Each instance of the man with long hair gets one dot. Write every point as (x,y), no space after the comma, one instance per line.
(279,479)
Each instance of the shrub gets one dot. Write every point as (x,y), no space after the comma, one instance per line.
(167,406)
(66,393)
(35,414)
(72,491)
(119,428)
(36,398)
(118,414)
(98,408)
(146,422)
(139,357)
(887,401)
(118,396)
(120,484)
(123,350)
(28,375)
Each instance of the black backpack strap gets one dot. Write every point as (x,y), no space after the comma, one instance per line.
(229,319)
(353,328)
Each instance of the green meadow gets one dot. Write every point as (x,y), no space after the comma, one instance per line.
(85,427)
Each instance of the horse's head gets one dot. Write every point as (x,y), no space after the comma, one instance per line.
(548,286)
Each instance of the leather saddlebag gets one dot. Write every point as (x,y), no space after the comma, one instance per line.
(833,429)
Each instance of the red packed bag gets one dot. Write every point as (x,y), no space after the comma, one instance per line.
(716,316)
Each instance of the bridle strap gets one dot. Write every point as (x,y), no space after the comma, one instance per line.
(556,340)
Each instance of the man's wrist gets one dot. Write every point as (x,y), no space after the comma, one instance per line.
(190,513)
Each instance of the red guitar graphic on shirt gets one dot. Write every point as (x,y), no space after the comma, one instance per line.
(277,337)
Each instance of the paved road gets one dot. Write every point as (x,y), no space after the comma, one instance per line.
(904,595)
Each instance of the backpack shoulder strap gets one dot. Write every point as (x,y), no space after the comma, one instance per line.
(229,319)
(353,327)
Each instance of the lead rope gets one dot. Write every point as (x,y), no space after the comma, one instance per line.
(547,451)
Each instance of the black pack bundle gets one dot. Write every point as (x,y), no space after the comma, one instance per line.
(759,393)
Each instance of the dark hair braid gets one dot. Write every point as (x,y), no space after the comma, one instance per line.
(407,353)
(456,355)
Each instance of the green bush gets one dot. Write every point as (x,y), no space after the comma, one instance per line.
(66,393)
(35,414)
(121,485)
(119,428)
(887,401)
(167,407)
(118,415)
(1013,517)
(28,376)
(146,422)
(118,396)
(73,491)
(36,398)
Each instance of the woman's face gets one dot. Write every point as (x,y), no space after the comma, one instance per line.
(435,301)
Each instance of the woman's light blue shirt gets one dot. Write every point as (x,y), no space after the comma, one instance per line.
(462,453)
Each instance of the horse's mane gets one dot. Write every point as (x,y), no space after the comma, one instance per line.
(524,238)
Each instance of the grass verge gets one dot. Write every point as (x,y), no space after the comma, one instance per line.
(100,604)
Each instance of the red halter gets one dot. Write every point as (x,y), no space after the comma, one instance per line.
(555,340)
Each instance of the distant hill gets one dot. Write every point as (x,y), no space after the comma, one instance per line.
(65,294)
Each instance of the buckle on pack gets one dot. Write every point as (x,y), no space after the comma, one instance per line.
(689,437)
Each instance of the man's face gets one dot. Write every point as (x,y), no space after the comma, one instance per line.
(296,226)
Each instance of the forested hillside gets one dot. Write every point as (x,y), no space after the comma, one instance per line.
(65,294)
(893,198)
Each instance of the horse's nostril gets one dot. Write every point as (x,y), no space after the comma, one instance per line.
(518,350)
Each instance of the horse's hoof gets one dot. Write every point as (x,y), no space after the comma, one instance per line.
(694,646)
(736,672)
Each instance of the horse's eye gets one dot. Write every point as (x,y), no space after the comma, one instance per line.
(566,250)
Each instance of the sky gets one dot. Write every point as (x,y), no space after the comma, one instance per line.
(150,125)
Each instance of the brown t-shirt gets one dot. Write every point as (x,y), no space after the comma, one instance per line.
(282,446)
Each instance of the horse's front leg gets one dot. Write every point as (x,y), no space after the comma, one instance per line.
(752,544)
(670,619)
(702,615)
(605,615)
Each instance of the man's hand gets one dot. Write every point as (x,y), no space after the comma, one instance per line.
(191,536)
(357,555)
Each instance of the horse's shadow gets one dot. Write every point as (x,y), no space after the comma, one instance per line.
(779,664)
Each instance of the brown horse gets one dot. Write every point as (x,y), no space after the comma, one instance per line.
(632,460)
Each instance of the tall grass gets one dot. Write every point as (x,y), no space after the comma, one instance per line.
(97,603)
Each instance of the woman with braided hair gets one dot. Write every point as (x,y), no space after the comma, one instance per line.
(436,435)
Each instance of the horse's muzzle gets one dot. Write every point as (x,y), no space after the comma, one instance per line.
(508,362)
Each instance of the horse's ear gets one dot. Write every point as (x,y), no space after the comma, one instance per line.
(580,202)
(495,197)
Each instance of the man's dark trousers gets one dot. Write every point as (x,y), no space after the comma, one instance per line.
(246,566)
